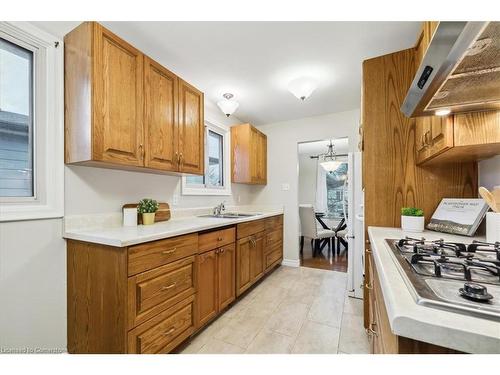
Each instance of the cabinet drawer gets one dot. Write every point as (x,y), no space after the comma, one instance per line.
(274,237)
(156,290)
(154,254)
(274,256)
(165,331)
(214,239)
(274,222)
(252,227)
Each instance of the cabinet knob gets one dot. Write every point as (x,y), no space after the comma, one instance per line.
(369,286)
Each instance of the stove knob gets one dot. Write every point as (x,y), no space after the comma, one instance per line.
(473,288)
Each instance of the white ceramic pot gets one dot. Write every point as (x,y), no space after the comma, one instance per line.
(492,227)
(412,223)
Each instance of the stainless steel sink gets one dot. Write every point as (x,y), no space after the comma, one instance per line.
(229,215)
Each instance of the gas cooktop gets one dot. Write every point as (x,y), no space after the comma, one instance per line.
(463,278)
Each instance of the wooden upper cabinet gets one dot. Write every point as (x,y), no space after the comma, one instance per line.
(457,138)
(433,135)
(249,155)
(118,97)
(123,110)
(161,104)
(191,129)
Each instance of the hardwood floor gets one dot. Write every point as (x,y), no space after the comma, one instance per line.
(326,260)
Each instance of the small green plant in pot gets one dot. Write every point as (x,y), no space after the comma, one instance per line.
(148,207)
(412,219)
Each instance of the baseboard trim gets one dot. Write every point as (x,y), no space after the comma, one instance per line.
(290,262)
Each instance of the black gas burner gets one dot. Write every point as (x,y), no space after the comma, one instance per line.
(478,261)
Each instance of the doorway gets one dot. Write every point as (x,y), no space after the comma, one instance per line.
(323,184)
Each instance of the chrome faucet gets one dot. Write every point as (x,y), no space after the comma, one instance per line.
(219,209)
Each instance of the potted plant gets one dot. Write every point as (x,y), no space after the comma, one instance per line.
(412,219)
(148,207)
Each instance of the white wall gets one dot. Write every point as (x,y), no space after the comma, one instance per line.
(282,159)
(307,179)
(489,172)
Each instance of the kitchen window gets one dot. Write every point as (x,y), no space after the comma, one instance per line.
(31,123)
(215,181)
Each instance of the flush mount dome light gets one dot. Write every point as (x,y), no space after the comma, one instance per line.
(227,105)
(442,112)
(302,87)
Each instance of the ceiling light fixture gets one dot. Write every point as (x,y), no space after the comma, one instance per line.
(442,112)
(227,105)
(328,160)
(302,87)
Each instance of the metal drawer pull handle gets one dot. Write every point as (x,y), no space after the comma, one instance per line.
(369,286)
(169,331)
(219,239)
(169,251)
(169,287)
(221,250)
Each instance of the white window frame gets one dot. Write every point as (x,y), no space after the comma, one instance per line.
(48,125)
(226,156)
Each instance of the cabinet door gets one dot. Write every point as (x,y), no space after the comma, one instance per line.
(118,95)
(207,288)
(243,278)
(441,134)
(191,129)
(262,159)
(226,275)
(161,138)
(257,257)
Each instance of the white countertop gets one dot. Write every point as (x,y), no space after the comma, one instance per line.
(407,318)
(121,236)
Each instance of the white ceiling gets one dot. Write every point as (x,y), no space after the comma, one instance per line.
(256,60)
(341,146)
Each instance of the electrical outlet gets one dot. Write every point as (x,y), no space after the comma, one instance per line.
(285,186)
(175,200)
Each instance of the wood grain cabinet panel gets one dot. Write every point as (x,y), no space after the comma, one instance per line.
(149,255)
(226,276)
(123,110)
(191,129)
(243,276)
(161,105)
(165,331)
(207,306)
(214,239)
(249,155)
(257,257)
(155,290)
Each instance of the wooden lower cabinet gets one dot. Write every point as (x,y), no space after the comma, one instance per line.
(216,282)
(226,276)
(250,266)
(151,297)
(382,339)
(207,287)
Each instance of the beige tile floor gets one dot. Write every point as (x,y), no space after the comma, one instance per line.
(293,310)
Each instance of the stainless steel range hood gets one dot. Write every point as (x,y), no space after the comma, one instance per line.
(460,71)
